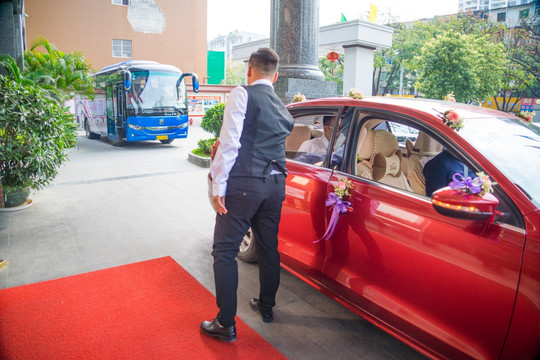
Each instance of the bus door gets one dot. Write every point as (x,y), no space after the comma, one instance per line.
(116,124)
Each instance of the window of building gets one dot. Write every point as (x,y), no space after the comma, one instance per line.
(121,48)
(523,14)
(501,17)
(120,2)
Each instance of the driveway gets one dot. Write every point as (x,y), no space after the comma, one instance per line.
(111,206)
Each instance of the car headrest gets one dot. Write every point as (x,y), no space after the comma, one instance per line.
(386,165)
(426,146)
(378,141)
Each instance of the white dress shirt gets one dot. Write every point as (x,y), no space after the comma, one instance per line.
(315,146)
(229,137)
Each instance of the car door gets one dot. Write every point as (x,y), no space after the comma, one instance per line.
(307,181)
(432,280)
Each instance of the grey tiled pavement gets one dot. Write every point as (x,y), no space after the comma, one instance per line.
(111,206)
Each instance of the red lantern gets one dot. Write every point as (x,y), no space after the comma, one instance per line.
(332,56)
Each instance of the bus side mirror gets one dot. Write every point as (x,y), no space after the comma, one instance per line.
(195,81)
(127,80)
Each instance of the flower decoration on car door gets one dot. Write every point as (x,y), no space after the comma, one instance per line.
(336,200)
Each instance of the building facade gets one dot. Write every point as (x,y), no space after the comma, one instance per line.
(509,11)
(225,43)
(111,31)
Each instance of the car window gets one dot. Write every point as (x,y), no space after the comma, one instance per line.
(309,139)
(406,157)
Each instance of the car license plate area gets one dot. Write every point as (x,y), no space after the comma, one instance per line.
(162,137)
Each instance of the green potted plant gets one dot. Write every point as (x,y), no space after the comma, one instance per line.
(35,132)
(211,123)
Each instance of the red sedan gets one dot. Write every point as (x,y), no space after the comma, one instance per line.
(451,274)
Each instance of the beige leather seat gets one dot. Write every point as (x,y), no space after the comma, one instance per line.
(418,154)
(380,159)
(299,134)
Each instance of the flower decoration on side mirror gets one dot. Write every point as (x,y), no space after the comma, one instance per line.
(526,115)
(480,185)
(336,199)
(298,98)
(451,119)
(355,94)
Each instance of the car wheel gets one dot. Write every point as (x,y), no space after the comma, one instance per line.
(90,134)
(248,251)
(168,141)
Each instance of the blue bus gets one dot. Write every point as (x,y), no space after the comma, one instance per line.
(135,101)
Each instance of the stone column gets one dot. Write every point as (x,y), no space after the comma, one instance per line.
(358,69)
(294,35)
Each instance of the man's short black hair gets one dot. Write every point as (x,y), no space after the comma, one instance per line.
(327,120)
(264,61)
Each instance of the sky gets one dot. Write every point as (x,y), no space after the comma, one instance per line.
(253,16)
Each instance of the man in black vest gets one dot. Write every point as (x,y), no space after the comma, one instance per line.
(248,187)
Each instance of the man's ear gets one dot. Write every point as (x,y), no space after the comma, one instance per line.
(248,74)
(275,77)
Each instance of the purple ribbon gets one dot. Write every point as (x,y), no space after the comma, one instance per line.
(340,207)
(468,184)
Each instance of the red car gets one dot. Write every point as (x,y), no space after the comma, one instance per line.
(453,275)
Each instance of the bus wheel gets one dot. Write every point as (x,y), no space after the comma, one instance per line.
(248,251)
(90,134)
(168,141)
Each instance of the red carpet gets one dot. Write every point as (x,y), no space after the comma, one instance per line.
(146,310)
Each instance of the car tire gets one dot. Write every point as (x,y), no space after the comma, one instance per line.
(248,251)
(90,134)
(168,141)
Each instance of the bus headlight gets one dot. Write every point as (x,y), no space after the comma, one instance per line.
(183,126)
(135,127)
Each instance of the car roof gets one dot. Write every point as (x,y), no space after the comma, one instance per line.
(407,105)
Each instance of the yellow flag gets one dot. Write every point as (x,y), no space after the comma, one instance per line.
(372,13)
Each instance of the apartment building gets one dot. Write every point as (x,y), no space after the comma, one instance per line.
(111,31)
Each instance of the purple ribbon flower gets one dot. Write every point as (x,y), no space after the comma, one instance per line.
(467,184)
(340,207)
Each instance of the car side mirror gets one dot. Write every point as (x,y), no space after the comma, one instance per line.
(460,205)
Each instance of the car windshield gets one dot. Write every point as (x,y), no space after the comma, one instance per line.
(512,146)
(152,90)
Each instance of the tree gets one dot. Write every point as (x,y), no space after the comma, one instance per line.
(235,73)
(67,73)
(470,66)
(522,73)
(333,71)
(408,37)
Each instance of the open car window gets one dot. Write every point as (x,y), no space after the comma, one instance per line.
(404,156)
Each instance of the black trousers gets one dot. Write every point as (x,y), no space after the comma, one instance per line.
(254,202)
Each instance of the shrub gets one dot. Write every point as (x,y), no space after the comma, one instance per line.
(35,133)
(213,119)
(205,145)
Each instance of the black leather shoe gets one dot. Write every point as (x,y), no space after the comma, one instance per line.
(267,315)
(213,328)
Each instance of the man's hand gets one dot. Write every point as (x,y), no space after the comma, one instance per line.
(214,149)
(219,204)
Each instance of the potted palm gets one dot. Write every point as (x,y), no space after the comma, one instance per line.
(35,132)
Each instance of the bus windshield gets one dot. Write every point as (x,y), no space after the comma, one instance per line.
(156,91)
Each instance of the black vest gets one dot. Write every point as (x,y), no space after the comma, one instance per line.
(266,125)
